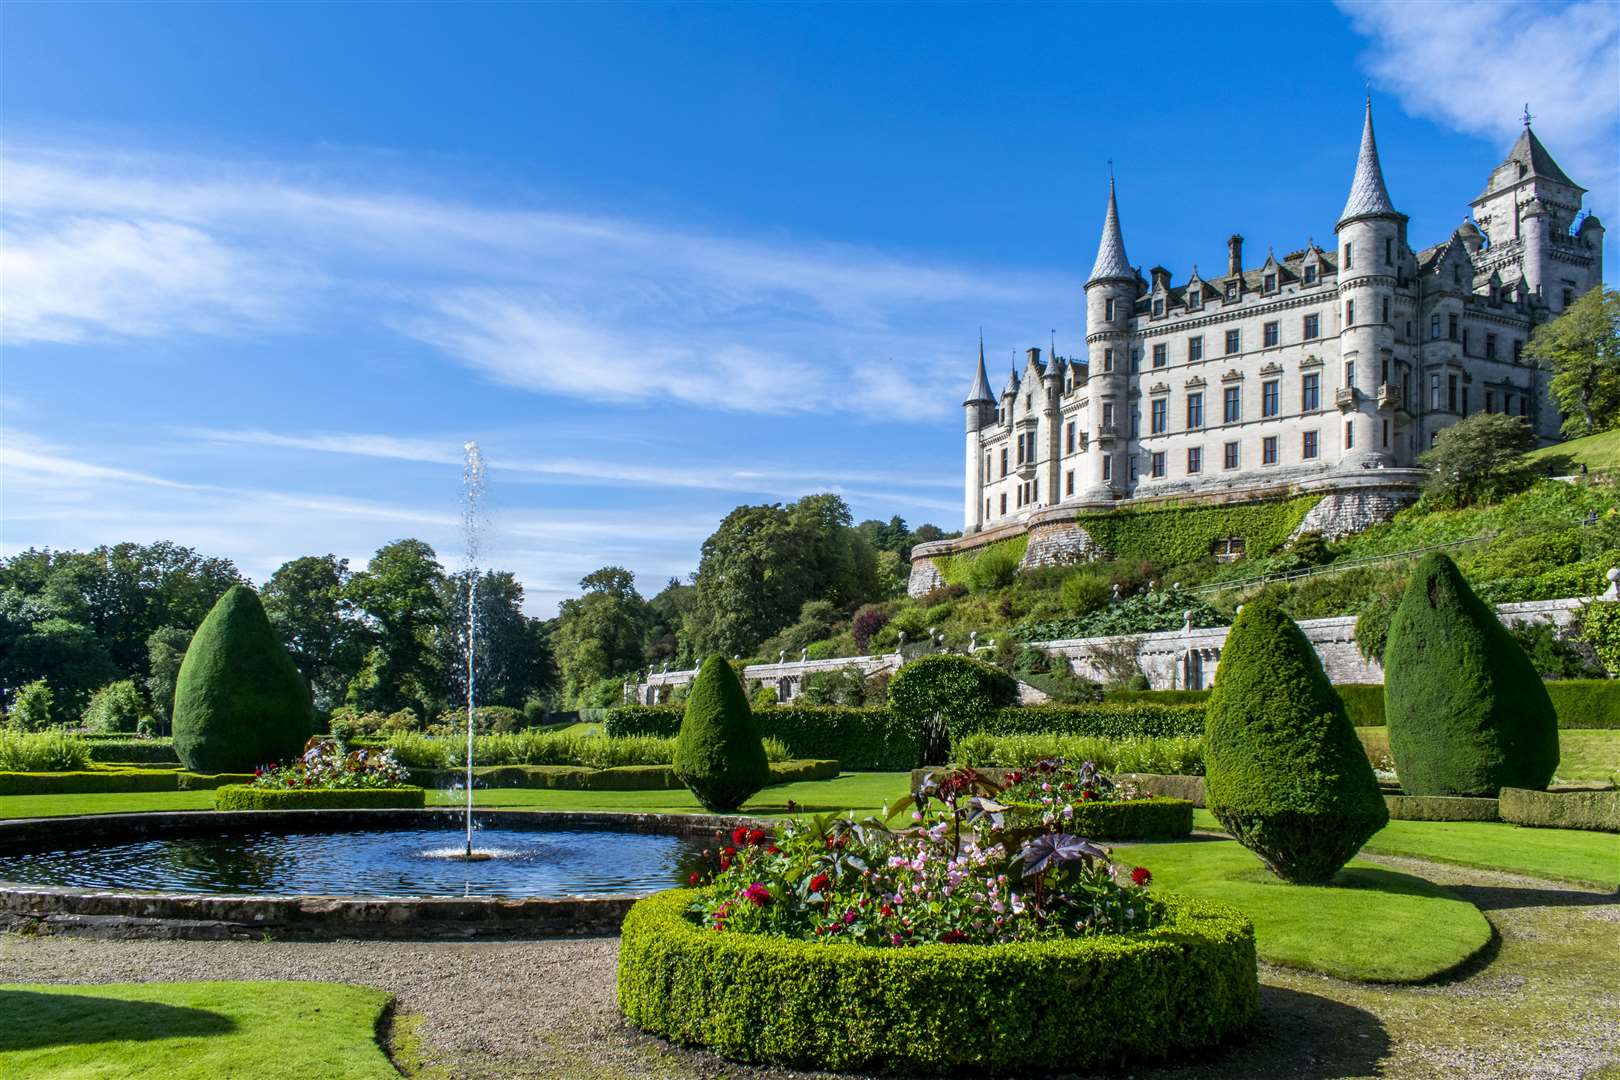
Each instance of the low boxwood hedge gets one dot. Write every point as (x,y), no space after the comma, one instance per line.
(155,751)
(1440,808)
(1069,1005)
(1152,818)
(113,781)
(1109,720)
(248,797)
(1598,811)
(620,778)
(1586,703)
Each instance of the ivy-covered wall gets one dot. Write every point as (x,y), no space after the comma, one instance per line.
(1180,533)
(958,569)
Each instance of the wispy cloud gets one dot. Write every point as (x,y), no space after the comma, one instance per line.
(1473,67)
(585,306)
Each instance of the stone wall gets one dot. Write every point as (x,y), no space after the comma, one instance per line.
(925,577)
(1341,514)
(1057,544)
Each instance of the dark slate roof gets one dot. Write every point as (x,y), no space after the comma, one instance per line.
(1535,160)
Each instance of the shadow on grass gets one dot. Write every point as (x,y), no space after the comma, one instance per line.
(1500,897)
(32,1020)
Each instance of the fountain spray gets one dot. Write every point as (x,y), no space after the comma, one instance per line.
(472,477)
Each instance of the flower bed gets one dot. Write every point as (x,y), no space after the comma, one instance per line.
(252,797)
(1052,795)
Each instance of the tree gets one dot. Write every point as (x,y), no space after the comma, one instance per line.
(66,655)
(240,701)
(1467,713)
(1285,773)
(513,660)
(116,707)
(1583,347)
(33,708)
(165,650)
(1479,459)
(718,753)
(599,634)
(666,614)
(399,593)
(316,621)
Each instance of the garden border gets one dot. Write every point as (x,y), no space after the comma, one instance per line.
(212,916)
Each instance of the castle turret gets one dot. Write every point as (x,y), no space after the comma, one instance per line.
(1372,246)
(1110,300)
(980,407)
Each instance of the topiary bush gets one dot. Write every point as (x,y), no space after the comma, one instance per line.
(1284,771)
(1467,712)
(239,701)
(718,753)
(944,694)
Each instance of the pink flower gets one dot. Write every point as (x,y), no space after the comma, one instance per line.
(757,894)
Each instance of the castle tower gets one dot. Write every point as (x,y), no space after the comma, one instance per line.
(980,407)
(1110,299)
(1372,247)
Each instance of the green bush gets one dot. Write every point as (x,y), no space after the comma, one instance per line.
(1159,697)
(1176,754)
(1285,773)
(1586,703)
(1122,720)
(115,708)
(942,695)
(718,753)
(1440,808)
(239,701)
(990,567)
(42,751)
(1595,810)
(112,781)
(940,1008)
(619,778)
(31,709)
(127,751)
(1083,593)
(1136,819)
(1363,703)
(1466,711)
(247,797)
(1600,628)
(861,738)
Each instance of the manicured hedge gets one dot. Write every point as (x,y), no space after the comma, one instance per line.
(1190,788)
(1159,697)
(1586,703)
(156,751)
(1440,808)
(1138,819)
(113,781)
(247,797)
(621,778)
(1109,720)
(1595,810)
(1070,1005)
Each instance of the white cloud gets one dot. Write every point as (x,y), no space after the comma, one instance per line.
(579,305)
(1474,66)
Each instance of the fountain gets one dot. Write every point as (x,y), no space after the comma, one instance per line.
(472,488)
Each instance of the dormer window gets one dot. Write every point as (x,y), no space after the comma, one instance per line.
(1231,291)
(1158,307)
(1310,273)
(1271,283)
(1194,296)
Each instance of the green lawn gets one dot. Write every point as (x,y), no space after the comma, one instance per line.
(192,1031)
(1600,451)
(1588,753)
(1371,925)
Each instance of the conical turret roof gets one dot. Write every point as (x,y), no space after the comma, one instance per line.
(1368,195)
(980,391)
(1111,262)
(1529,153)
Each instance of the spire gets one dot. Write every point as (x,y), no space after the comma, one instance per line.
(1534,160)
(1111,262)
(1368,196)
(981,381)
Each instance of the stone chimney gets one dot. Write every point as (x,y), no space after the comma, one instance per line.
(1234,255)
(1034,356)
(1161,278)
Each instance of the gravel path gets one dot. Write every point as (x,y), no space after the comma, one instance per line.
(546,1008)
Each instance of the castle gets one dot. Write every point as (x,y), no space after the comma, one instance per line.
(1325,370)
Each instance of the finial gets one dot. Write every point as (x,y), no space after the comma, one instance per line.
(1110,170)
(1527,117)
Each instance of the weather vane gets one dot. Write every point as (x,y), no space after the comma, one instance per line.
(1527,117)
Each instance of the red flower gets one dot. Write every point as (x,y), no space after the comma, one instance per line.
(774,850)
(757,836)
(849,916)
(1141,876)
(739,835)
(885,911)
(819,883)
(694,878)
(757,894)
(953,937)
(1087,796)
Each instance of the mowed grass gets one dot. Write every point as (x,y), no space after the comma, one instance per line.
(1370,925)
(1600,451)
(192,1031)
(1589,753)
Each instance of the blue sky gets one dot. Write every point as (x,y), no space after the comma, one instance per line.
(265,268)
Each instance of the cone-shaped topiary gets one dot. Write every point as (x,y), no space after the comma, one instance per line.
(1467,712)
(718,753)
(1286,775)
(239,700)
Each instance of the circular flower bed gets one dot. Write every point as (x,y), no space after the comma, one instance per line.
(327,776)
(952,942)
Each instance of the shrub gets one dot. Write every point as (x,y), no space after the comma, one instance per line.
(1440,808)
(1550,655)
(943,694)
(1600,628)
(1466,711)
(1115,720)
(718,753)
(1083,593)
(143,751)
(31,710)
(1159,697)
(1372,627)
(758,998)
(868,620)
(416,751)
(763,698)
(247,797)
(1181,754)
(1480,459)
(116,707)
(44,751)
(1586,703)
(1133,819)
(845,686)
(1363,703)
(1285,774)
(239,700)
(1595,810)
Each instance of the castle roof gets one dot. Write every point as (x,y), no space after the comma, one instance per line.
(1368,195)
(1111,263)
(1535,161)
(980,390)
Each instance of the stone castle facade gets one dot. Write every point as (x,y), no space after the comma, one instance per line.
(1325,369)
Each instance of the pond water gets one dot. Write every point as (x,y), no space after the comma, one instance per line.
(411,862)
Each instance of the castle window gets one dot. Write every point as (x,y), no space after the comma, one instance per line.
(1108,309)
(1465,401)
(1518,352)
(1108,359)
(1232,404)
(1229,456)
(1310,273)
(1490,346)
(1524,405)
(1068,482)
(1159,354)
(1158,465)
(1349,373)
(1068,437)
(1234,341)
(1383,376)
(1456,275)
(1159,411)
(1349,313)
(1308,445)
(1108,468)
(1389,251)
(1408,329)
(1020,449)
(1108,416)
(1452,326)
(1268,452)
(987,466)
(1490,401)
(987,508)
(1004,503)
(1271,283)
(1133,469)
(1231,291)
(1349,434)
(1383,310)
(1268,398)
(1313,327)
(1195,459)
(1434,327)
(1158,307)
(1136,423)
(1272,333)
(1195,349)
(1434,390)
(1195,411)
(1349,255)
(1465,342)
(1569,297)
(1310,392)
(1451,393)
(1227,549)
(1136,360)
(1195,296)
(1004,462)
(1386,434)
